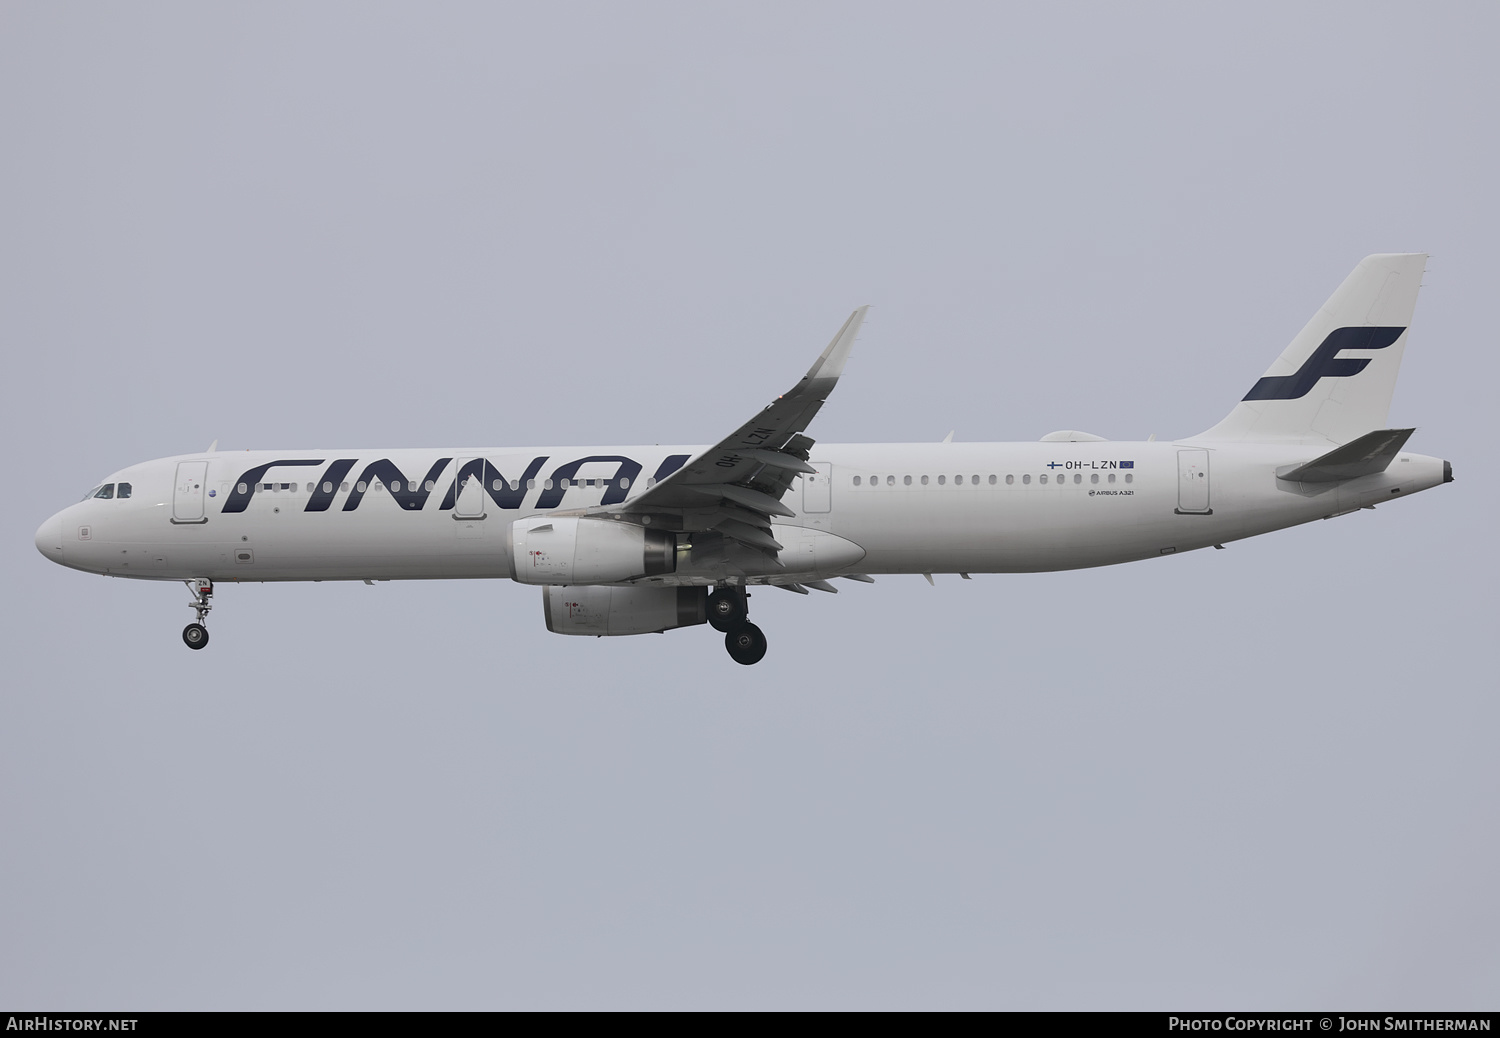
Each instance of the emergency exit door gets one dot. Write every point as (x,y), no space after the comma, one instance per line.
(817,488)
(469,491)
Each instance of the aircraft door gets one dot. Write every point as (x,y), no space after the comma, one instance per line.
(817,488)
(469,501)
(1192,483)
(189,491)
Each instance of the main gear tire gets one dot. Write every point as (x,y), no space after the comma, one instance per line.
(746,644)
(726,608)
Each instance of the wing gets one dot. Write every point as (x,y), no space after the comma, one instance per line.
(735,487)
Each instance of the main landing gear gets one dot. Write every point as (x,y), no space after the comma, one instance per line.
(195,635)
(727,609)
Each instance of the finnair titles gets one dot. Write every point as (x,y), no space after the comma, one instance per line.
(637,540)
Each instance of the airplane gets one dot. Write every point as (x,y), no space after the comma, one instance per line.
(637,540)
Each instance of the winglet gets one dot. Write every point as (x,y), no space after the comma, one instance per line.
(831,363)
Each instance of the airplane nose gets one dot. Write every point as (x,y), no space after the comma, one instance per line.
(49,538)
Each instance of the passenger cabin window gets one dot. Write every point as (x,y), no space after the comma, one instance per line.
(124,491)
(958,481)
(344,487)
(942,480)
(1044,477)
(924,481)
(106,492)
(856,481)
(327,488)
(1026,479)
(906,480)
(1093,477)
(1078,477)
(1009,480)
(1111,477)
(1129,478)
(992,480)
(890,481)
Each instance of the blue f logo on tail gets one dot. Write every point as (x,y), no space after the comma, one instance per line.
(1324,362)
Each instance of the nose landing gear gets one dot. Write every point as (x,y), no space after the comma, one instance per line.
(195,635)
(727,609)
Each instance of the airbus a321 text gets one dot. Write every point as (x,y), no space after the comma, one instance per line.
(635,540)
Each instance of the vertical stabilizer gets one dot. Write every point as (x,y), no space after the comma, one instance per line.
(1334,382)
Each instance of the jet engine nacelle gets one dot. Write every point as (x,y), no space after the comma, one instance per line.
(570,550)
(623,610)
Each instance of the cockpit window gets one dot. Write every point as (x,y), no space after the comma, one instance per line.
(106,492)
(91,493)
(124,491)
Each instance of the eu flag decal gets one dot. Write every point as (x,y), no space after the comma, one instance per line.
(1127,464)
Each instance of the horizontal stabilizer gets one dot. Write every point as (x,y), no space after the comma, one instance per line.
(1365,456)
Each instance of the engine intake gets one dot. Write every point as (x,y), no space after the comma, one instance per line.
(570,550)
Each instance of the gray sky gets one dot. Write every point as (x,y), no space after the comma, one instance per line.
(1262,777)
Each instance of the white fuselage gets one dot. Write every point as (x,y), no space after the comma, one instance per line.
(909,508)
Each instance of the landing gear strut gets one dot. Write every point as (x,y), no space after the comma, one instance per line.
(727,609)
(195,635)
